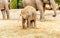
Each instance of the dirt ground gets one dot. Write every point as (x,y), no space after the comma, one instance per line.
(12,28)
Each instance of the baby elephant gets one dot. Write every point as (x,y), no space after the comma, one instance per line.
(28,17)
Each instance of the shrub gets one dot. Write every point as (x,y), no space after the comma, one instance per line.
(58,1)
(13,4)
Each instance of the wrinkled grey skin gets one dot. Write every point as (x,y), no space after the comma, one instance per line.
(38,4)
(4,8)
(30,17)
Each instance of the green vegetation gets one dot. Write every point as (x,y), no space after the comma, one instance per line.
(20,4)
(20,1)
(14,3)
(58,1)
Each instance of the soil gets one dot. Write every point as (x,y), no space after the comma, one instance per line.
(12,28)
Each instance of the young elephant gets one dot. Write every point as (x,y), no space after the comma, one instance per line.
(40,5)
(4,8)
(29,15)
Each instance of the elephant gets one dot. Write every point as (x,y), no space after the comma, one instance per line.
(4,8)
(59,7)
(40,5)
(28,14)
(9,1)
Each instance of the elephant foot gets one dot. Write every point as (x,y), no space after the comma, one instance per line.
(24,28)
(4,18)
(42,20)
(28,26)
(54,15)
(34,27)
(7,18)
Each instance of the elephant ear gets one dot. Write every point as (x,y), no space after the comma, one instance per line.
(23,12)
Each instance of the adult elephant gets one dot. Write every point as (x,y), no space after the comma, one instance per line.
(4,8)
(40,5)
(9,1)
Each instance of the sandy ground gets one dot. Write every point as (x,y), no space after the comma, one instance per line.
(12,28)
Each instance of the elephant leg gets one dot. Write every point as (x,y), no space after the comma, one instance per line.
(29,23)
(40,8)
(9,6)
(53,7)
(3,13)
(41,14)
(34,21)
(7,13)
(7,9)
(34,24)
(23,23)
(44,7)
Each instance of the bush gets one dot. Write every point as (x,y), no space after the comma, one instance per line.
(58,1)
(13,4)
(20,4)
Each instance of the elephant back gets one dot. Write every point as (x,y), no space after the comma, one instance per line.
(29,2)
